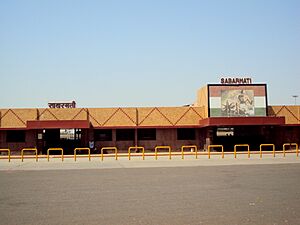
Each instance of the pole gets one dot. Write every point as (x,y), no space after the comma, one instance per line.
(295,97)
(135,130)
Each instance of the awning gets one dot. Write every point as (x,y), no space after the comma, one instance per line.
(242,121)
(58,124)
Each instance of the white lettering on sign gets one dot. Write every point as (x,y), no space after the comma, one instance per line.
(245,80)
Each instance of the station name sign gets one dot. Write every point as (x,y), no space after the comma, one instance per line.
(59,105)
(236,80)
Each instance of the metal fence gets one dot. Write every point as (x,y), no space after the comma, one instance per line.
(159,151)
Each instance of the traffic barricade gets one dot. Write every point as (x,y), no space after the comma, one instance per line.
(136,148)
(8,152)
(266,145)
(82,149)
(55,149)
(162,147)
(215,146)
(29,149)
(242,145)
(109,148)
(290,144)
(191,147)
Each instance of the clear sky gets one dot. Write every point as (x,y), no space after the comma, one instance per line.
(144,53)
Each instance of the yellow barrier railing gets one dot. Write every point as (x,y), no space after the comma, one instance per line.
(189,147)
(215,146)
(82,149)
(266,145)
(290,144)
(242,145)
(6,150)
(163,147)
(136,148)
(29,149)
(110,148)
(55,149)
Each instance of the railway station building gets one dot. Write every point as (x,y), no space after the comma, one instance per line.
(234,111)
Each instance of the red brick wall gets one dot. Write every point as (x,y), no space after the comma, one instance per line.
(16,147)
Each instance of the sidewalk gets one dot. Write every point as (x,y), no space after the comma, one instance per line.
(56,163)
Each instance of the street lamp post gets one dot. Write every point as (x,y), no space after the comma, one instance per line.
(295,97)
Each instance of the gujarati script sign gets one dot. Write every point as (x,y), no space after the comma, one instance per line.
(71,104)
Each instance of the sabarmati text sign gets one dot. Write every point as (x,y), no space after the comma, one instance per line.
(236,80)
(71,104)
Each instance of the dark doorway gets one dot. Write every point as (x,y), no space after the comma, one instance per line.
(67,139)
(230,136)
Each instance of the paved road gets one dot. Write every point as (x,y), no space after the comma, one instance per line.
(236,194)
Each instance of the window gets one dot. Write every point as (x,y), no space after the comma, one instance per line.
(125,135)
(186,134)
(147,134)
(15,136)
(103,135)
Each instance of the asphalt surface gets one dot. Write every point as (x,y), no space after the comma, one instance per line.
(234,194)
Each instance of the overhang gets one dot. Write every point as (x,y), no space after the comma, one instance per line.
(58,124)
(242,121)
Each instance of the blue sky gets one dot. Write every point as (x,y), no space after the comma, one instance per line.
(144,53)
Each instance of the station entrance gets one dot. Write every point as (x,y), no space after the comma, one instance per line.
(230,136)
(68,139)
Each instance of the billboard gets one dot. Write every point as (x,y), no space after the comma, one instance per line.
(237,100)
